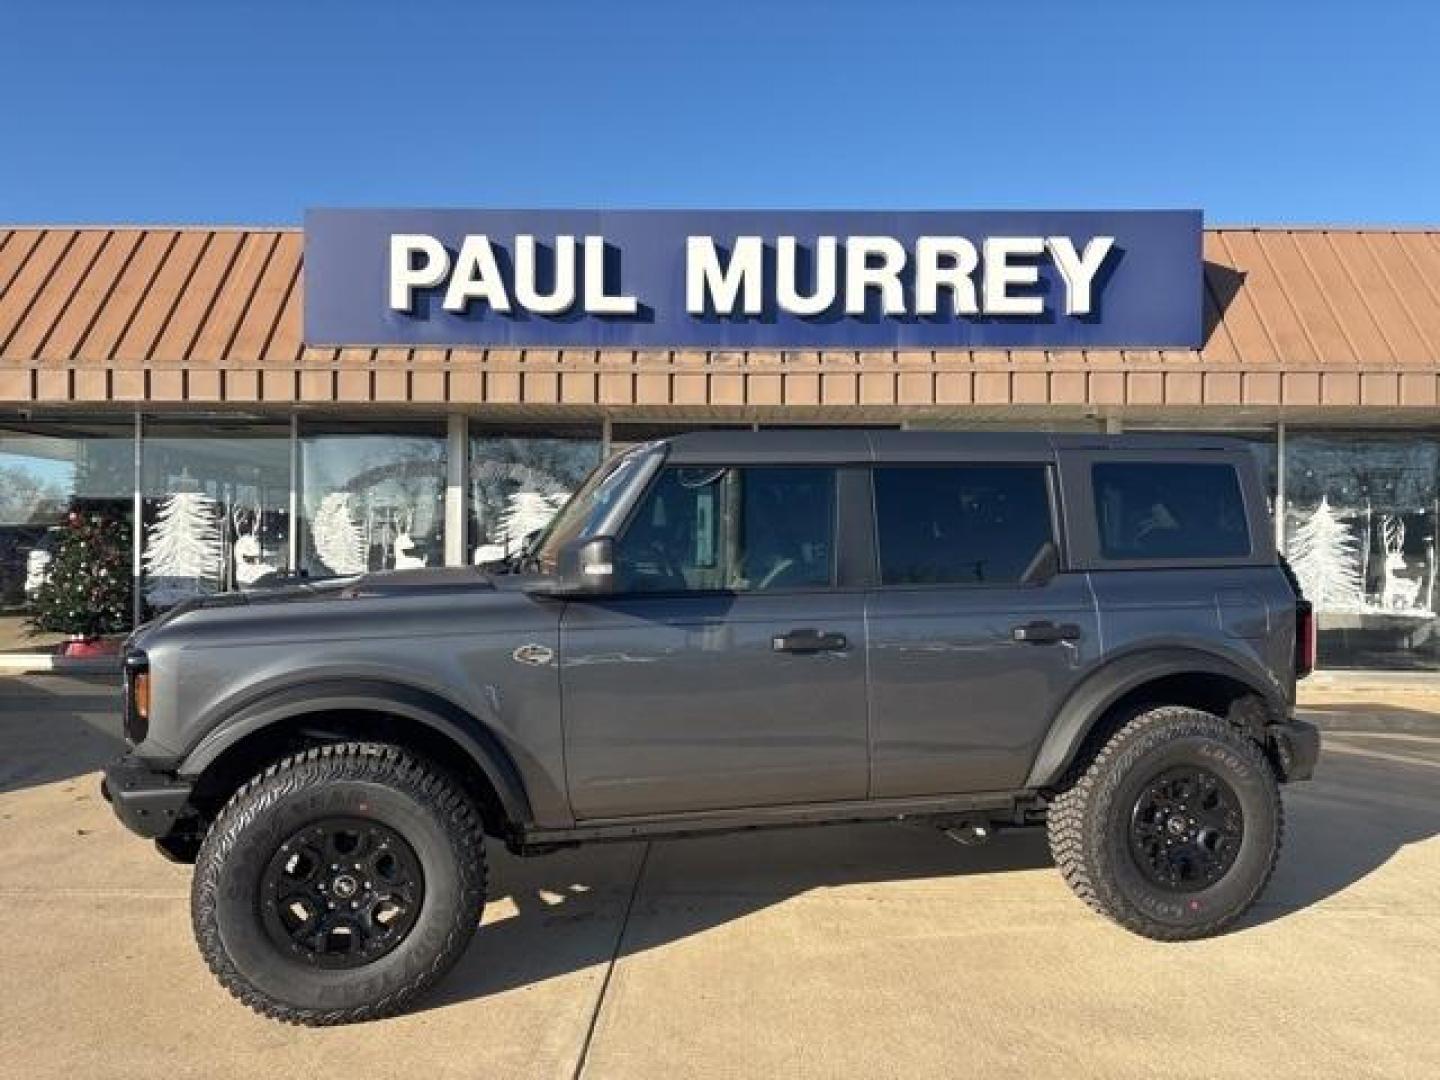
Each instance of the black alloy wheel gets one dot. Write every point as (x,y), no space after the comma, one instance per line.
(341,892)
(1186,829)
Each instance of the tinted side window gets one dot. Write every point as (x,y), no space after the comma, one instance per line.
(1157,510)
(962,524)
(702,529)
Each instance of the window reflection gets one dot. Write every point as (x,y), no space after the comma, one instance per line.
(519,482)
(216,509)
(46,471)
(374,499)
(1360,514)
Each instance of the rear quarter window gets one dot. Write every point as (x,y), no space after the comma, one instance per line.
(1170,510)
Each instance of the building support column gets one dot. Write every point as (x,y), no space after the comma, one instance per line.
(457,466)
(292,549)
(1280,486)
(137,531)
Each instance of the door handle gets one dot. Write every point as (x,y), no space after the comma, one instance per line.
(1045,633)
(807,639)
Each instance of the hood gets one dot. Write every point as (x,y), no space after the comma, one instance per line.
(385,583)
(415,582)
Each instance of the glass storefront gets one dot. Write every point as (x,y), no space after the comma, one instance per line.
(47,471)
(1359,510)
(215,502)
(373,497)
(1360,516)
(519,480)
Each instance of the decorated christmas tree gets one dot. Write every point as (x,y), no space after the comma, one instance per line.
(86,590)
(182,549)
(1325,555)
(339,540)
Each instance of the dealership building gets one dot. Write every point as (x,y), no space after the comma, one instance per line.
(173,378)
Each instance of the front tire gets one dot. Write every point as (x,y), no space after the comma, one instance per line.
(339,884)
(1173,828)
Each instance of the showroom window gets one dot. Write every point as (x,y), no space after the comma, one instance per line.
(519,479)
(1360,519)
(373,497)
(215,501)
(46,472)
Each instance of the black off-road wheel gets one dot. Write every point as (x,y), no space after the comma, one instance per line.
(339,884)
(1172,828)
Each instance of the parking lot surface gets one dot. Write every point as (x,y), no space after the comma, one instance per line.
(874,951)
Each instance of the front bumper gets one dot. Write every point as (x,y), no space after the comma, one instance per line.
(147,802)
(1294,746)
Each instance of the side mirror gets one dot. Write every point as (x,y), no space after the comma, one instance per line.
(588,567)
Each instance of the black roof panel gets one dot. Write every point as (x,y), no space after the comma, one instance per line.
(841,445)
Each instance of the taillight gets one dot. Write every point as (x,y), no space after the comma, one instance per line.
(1306,643)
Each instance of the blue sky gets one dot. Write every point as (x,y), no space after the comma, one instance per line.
(211,112)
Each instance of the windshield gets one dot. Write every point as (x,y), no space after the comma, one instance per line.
(580,517)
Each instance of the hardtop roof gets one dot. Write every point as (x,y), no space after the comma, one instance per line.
(829,445)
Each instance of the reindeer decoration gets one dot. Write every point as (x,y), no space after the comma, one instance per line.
(403,545)
(1399,593)
(247,553)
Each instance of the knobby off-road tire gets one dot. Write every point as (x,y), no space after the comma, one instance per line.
(1093,831)
(405,822)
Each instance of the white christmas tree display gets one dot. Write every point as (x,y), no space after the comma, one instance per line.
(526,512)
(1325,556)
(339,540)
(182,549)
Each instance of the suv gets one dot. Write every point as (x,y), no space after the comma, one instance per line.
(724,631)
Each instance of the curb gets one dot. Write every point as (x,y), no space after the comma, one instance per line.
(41,663)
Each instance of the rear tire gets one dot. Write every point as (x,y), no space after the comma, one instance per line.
(1173,828)
(339,884)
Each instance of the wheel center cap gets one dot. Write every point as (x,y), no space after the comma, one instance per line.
(1176,825)
(345,886)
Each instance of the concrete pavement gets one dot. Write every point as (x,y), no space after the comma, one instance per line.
(870,951)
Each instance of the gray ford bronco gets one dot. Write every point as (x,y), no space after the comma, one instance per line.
(727,631)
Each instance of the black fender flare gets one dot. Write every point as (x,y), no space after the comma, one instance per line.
(1089,701)
(288,702)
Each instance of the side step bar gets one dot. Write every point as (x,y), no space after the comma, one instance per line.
(1018,807)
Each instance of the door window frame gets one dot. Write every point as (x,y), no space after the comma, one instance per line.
(1046,464)
(844,525)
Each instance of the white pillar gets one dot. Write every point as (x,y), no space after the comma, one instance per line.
(1280,486)
(137,531)
(457,464)
(292,550)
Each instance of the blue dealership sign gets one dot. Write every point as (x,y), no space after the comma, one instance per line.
(754,279)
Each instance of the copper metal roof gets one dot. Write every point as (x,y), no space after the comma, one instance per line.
(1296,319)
